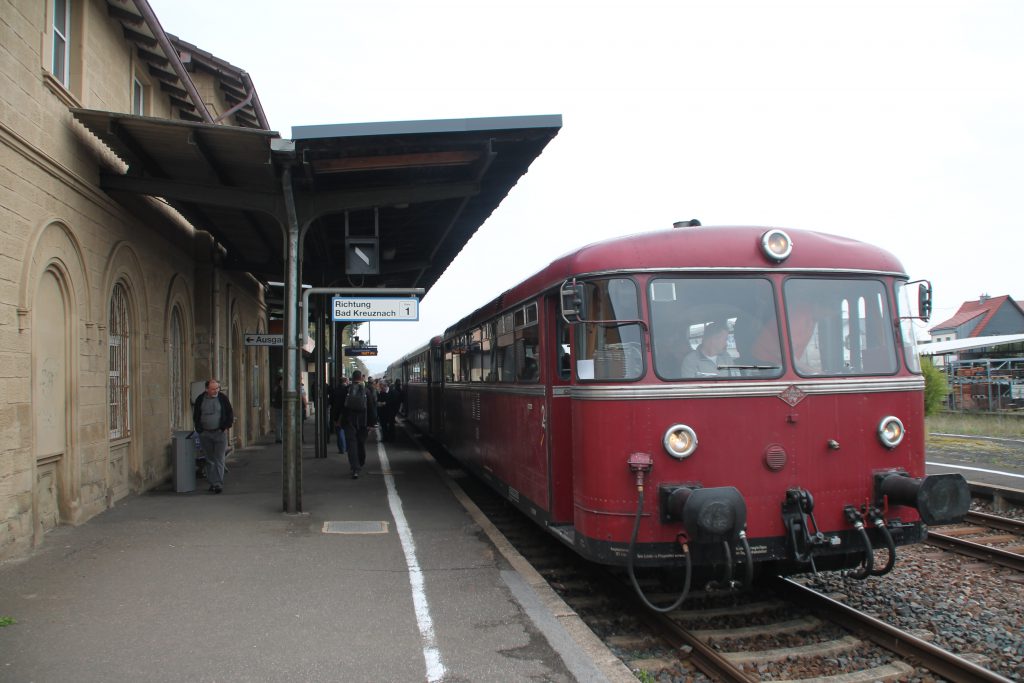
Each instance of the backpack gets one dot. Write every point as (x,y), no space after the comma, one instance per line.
(355,399)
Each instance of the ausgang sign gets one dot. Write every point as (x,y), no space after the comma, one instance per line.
(254,339)
(355,309)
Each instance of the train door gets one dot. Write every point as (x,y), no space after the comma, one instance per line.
(558,410)
(436,399)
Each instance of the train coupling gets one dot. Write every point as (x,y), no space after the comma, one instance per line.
(938,498)
(707,514)
(798,515)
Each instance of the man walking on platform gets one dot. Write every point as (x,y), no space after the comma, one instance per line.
(337,407)
(212,416)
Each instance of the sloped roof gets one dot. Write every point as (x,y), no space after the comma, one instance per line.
(969,310)
(170,61)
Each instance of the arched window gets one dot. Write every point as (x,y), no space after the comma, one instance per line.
(119,342)
(177,366)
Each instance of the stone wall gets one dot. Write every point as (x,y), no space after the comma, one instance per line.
(64,246)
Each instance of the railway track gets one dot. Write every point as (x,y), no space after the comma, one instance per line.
(796,633)
(977,538)
(786,632)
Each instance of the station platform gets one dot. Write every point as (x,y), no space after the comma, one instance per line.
(391,577)
(985,461)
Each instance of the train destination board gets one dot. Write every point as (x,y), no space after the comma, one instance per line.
(355,309)
(359,351)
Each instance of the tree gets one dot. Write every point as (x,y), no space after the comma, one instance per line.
(935,387)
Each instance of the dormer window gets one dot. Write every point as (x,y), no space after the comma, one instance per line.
(138,97)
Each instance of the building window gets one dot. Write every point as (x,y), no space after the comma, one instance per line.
(138,97)
(177,362)
(119,342)
(61,40)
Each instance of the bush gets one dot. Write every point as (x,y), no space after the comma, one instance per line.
(935,387)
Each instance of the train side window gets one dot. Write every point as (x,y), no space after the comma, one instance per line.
(608,349)
(489,362)
(506,353)
(563,349)
(449,361)
(476,356)
(909,340)
(528,352)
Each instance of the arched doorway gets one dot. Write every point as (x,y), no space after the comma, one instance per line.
(52,403)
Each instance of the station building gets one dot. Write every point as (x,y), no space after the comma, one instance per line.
(146,208)
(109,308)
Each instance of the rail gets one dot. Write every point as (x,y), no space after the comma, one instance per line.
(935,659)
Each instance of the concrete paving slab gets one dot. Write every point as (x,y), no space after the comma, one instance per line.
(194,586)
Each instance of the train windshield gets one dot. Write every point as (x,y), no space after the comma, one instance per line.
(714,328)
(839,327)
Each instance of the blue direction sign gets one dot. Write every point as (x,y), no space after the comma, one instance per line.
(363,309)
(360,350)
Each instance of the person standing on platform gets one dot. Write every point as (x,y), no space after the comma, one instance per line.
(354,416)
(277,409)
(337,408)
(387,406)
(399,397)
(213,417)
(371,403)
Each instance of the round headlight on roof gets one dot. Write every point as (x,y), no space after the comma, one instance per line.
(680,441)
(776,245)
(890,431)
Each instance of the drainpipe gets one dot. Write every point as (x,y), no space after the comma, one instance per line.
(172,55)
(292,465)
(216,324)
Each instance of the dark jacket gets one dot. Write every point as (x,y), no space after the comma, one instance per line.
(338,405)
(227,416)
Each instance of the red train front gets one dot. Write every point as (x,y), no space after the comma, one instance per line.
(757,391)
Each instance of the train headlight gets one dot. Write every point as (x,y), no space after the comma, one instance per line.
(680,441)
(890,431)
(776,245)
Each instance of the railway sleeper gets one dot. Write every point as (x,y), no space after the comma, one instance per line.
(652,665)
(632,641)
(895,671)
(792,626)
(823,649)
(730,611)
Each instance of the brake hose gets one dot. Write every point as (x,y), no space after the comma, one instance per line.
(632,556)
(889,543)
(865,570)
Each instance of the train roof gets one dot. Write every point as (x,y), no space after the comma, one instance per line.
(722,248)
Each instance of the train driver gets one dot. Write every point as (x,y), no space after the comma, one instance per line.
(706,360)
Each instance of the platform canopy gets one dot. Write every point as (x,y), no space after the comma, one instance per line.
(421,188)
(969,344)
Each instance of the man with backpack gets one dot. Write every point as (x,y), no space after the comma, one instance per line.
(353,418)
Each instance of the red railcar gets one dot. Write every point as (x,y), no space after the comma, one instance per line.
(704,397)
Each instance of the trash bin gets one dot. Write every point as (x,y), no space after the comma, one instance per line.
(183,452)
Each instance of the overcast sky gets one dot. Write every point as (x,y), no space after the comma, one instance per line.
(899,123)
